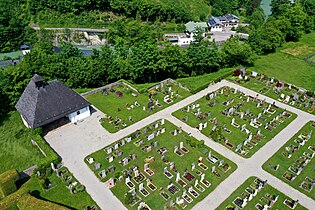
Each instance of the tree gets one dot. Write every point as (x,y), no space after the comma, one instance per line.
(236,52)
(278,7)
(297,18)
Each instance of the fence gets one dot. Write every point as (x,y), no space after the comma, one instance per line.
(169,80)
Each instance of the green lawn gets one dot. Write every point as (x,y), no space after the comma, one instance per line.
(287,63)
(164,140)
(59,193)
(203,80)
(281,158)
(16,151)
(262,197)
(236,136)
(118,109)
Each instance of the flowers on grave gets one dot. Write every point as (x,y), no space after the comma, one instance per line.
(237,72)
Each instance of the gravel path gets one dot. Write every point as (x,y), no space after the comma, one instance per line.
(74,142)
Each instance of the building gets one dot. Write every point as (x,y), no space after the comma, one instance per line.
(45,102)
(215,24)
(229,21)
(191,26)
(223,22)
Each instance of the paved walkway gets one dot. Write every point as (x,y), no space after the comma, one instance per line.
(74,142)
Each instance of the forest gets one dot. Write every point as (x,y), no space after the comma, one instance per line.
(139,53)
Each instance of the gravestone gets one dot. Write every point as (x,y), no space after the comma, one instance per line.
(125,161)
(213,169)
(123,142)
(155,144)
(143,108)
(205,125)
(181,145)
(193,165)
(109,150)
(221,162)
(196,182)
(156,125)
(141,187)
(102,174)
(150,137)
(116,146)
(162,121)
(175,149)
(111,158)
(200,126)
(163,130)
(175,132)
(202,177)
(97,166)
(209,155)
(111,169)
(186,118)
(177,176)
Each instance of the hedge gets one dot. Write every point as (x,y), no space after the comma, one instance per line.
(51,156)
(7,182)
(28,202)
(10,202)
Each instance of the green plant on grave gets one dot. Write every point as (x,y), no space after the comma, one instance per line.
(117,174)
(128,198)
(201,144)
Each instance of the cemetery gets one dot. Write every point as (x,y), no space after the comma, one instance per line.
(294,162)
(146,168)
(299,98)
(255,193)
(240,122)
(124,105)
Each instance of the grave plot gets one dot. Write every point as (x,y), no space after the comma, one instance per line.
(294,163)
(257,194)
(278,90)
(124,106)
(239,122)
(146,167)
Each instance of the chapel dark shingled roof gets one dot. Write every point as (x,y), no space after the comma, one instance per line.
(42,103)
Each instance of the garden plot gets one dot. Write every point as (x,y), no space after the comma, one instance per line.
(160,165)
(294,162)
(285,93)
(255,193)
(124,106)
(241,123)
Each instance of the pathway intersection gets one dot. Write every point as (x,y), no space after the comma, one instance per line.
(74,142)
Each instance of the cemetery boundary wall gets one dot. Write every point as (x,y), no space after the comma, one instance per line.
(169,80)
(109,86)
